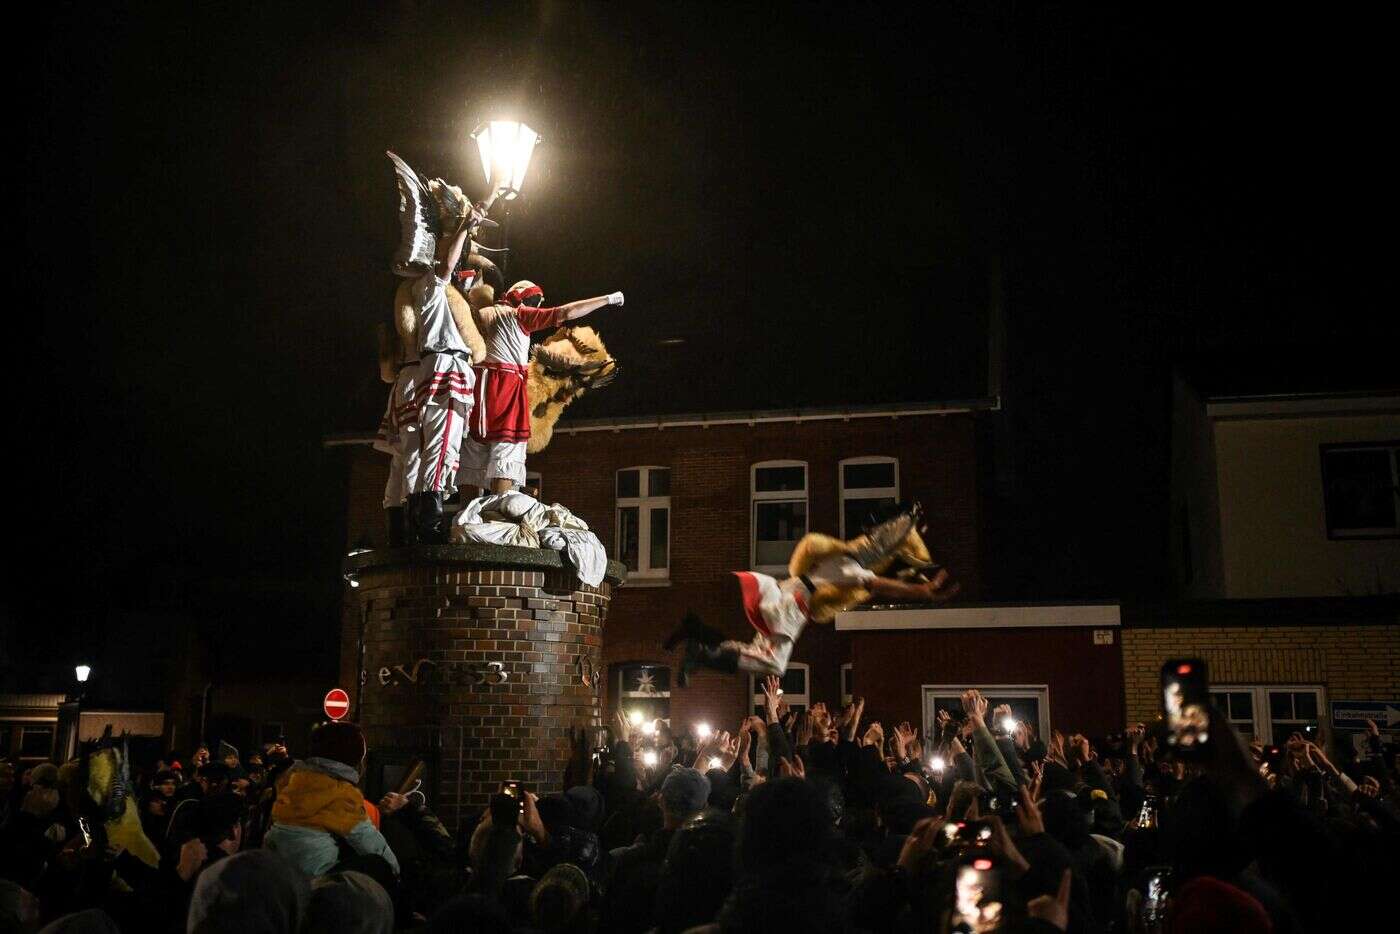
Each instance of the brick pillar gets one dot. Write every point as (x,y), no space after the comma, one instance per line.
(477,659)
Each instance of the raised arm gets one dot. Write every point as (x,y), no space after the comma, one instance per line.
(449,252)
(582,307)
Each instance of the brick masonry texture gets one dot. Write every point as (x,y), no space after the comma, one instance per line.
(710,515)
(452,624)
(1349,662)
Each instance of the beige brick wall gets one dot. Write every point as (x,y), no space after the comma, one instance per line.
(1350,662)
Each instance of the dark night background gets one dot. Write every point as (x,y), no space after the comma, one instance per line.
(816,199)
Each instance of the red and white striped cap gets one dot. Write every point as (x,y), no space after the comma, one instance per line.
(522,290)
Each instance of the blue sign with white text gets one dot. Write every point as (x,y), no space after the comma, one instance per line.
(1352,715)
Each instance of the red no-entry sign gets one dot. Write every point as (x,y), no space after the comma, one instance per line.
(336,704)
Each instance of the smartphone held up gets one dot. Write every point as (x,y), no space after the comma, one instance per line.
(1186,704)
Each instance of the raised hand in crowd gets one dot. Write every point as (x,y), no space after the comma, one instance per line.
(874,736)
(920,843)
(1053,910)
(852,722)
(903,736)
(793,768)
(193,855)
(1055,749)
(1028,814)
(771,698)
(975,706)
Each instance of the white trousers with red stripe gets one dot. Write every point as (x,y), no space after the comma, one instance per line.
(440,443)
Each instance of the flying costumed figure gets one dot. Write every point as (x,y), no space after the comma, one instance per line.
(827,575)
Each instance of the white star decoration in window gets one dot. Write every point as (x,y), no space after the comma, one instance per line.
(645,684)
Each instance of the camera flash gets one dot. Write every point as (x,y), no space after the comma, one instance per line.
(716,762)
(702,730)
(635,717)
(937,764)
(649,757)
(649,727)
(1008,724)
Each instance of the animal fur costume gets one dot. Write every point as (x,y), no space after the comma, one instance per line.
(97,786)
(826,575)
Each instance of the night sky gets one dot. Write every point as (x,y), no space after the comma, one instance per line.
(815,200)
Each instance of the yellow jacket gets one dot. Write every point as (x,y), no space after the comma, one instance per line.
(307,798)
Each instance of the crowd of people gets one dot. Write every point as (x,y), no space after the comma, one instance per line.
(811,820)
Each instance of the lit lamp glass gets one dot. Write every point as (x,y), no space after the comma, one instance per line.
(82,672)
(505,148)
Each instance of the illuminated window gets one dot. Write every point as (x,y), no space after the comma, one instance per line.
(644,521)
(642,691)
(794,686)
(1029,703)
(779,515)
(848,684)
(1361,489)
(1270,713)
(869,488)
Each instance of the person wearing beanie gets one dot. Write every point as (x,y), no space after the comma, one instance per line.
(629,905)
(493,454)
(319,804)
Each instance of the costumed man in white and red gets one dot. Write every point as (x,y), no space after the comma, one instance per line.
(828,575)
(398,430)
(493,456)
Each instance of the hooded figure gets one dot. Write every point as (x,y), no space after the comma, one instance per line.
(319,805)
(349,903)
(255,890)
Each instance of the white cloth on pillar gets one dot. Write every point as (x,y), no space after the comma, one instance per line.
(515,518)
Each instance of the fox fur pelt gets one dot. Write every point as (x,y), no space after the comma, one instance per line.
(911,557)
(563,367)
(480,296)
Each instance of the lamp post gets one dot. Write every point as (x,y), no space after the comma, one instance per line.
(505,147)
(70,717)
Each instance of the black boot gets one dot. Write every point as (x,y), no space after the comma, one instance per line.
(429,521)
(692,628)
(394,519)
(716,658)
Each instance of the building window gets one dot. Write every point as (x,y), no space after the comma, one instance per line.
(848,684)
(1030,703)
(643,691)
(1361,489)
(644,521)
(779,516)
(1270,713)
(869,488)
(36,742)
(794,688)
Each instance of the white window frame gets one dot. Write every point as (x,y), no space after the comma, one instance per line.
(779,496)
(872,492)
(803,700)
(1038,692)
(1263,726)
(847,696)
(644,505)
(1354,534)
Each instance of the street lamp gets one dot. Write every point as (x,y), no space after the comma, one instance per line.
(505,147)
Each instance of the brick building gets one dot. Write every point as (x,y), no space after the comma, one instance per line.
(1285,554)
(685,500)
